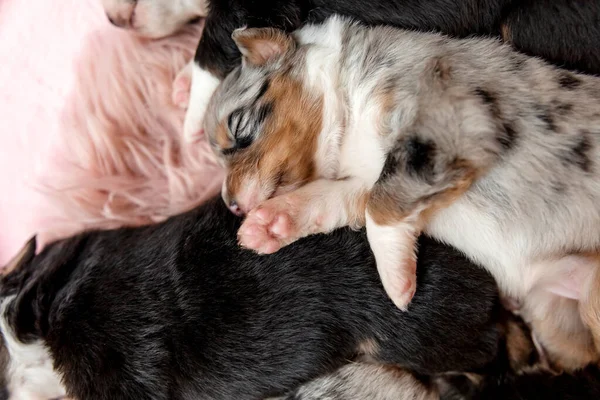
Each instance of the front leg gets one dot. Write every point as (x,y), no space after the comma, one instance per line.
(317,207)
(399,206)
(394,246)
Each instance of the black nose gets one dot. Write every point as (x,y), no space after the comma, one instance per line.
(233,206)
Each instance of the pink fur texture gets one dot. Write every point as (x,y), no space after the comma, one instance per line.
(126,161)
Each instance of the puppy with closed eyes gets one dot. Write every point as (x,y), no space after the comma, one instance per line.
(177,310)
(493,151)
(564,32)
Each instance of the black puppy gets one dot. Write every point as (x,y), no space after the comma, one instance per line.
(178,311)
(564,32)
(519,372)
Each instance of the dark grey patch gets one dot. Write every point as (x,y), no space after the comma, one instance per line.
(263,89)
(490,100)
(389,167)
(264,110)
(558,187)
(547,118)
(508,136)
(563,108)
(578,154)
(581,152)
(419,156)
(485,96)
(568,81)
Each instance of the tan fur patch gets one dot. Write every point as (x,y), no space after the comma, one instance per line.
(505,32)
(357,207)
(519,346)
(284,153)
(261,45)
(368,351)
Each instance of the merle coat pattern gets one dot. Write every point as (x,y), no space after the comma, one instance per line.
(564,32)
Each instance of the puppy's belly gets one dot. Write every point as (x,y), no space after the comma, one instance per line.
(520,252)
(475,233)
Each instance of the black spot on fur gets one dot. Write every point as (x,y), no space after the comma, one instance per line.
(263,89)
(263,112)
(419,155)
(490,100)
(581,151)
(508,136)
(390,167)
(486,96)
(568,81)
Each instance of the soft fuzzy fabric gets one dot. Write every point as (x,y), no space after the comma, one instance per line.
(38,42)
(126,164)
(90,138)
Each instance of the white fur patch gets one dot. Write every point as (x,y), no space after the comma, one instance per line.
(30,374)
(394,249)
(204,85)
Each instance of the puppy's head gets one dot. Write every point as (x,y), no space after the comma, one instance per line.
(263,122)
(26,367)
(153,18)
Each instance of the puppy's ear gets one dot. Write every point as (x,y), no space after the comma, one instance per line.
(260,46)
(24,256)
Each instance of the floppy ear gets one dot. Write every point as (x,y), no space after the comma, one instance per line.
(262,45)
(24,256)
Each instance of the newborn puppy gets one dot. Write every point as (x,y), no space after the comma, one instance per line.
(564,31)
(339,124)
(178,311)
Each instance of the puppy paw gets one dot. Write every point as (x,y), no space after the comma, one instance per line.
(182,86)
(400,283)
(266,230)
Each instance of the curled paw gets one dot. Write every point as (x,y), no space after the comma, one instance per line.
(266,230)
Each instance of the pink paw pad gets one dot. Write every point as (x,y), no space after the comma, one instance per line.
(265,231)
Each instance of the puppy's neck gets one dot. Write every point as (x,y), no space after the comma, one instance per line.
(323,75)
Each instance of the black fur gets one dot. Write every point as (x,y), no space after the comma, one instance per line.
(178,310)
(564,32)
(581,385)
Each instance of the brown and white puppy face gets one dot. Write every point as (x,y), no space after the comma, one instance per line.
(153,18)
(263,122)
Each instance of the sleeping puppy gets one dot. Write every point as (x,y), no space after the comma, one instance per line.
(495,152)
(178,311)
(563,31)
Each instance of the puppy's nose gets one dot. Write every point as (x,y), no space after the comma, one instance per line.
(118,20)
(233,206)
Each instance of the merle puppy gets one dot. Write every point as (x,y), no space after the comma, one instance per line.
(564,32)
(179,311)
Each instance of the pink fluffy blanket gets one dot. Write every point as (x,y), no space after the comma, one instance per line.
(90,138)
